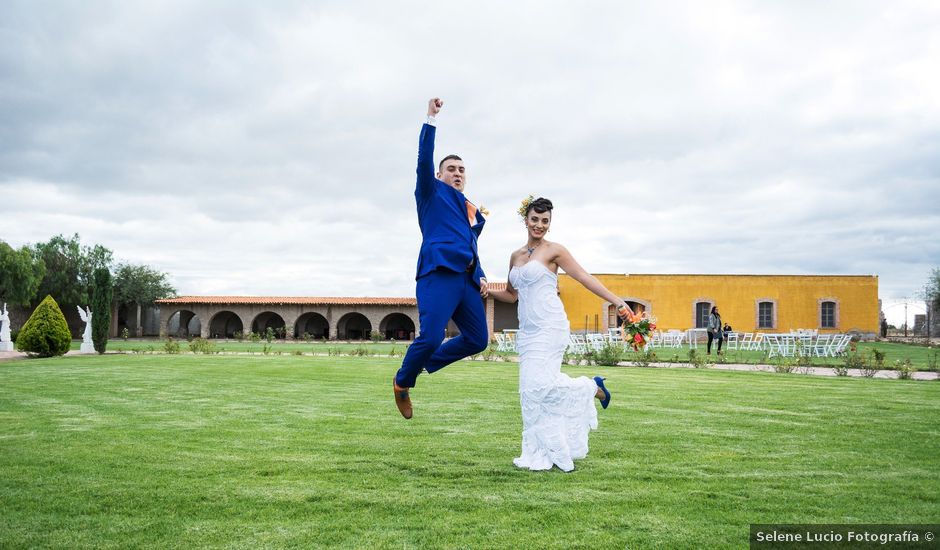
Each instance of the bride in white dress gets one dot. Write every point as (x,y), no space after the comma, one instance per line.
(557,411)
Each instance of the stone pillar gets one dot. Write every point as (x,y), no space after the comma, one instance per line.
(290,322)
(112,330)
(334,333)
(490,317)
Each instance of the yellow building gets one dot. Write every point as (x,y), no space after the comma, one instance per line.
(749,303)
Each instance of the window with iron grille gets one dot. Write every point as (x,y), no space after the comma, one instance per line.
(828,315)
(702,309)
(765,315)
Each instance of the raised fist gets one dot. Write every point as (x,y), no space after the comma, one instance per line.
(434,106)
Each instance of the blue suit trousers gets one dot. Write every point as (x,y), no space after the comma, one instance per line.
(444,295)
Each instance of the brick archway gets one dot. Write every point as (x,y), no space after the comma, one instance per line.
(397,326)
(353,326)
(226,324)
(312,325)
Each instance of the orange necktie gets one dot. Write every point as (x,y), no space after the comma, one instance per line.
(471,213)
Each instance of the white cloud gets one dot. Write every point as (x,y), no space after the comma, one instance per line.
(255,149)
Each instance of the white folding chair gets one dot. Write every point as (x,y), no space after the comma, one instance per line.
(746,340)
(501,342)
(511,341)
(759,342)
(821,345)
(842,347)
(596,341)
(678,336)
(772,341)
(656,339)
(576,344)
(731,340)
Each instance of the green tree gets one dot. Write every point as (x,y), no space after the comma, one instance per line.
(21,272)
(70,267)
(101,308)
(140,285)
(933,288)
(46,333)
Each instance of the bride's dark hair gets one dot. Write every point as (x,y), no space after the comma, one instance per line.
(540,205)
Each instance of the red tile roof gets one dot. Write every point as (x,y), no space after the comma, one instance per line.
(301,300)
(291,300)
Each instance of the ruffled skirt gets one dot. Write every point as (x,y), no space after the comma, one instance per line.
(558,412)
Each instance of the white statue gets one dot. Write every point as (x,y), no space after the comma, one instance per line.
(5,343)
(87,345)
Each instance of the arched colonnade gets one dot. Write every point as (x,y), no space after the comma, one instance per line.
(290,318)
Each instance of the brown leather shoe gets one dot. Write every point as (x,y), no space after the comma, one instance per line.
(402,399)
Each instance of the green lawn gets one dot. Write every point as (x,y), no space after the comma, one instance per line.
(121,451)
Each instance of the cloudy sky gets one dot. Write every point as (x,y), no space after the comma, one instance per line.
(269,148)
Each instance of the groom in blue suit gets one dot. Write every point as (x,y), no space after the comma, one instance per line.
(450,281)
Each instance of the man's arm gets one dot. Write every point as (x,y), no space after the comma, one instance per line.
(425,184)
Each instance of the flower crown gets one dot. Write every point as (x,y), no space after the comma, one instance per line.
(525,206)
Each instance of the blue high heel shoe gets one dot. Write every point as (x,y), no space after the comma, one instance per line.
(600,384)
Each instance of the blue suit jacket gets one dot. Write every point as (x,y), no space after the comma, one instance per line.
(448,240)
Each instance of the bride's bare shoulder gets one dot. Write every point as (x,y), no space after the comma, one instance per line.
(556,248)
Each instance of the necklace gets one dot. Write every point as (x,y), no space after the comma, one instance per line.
(531,250)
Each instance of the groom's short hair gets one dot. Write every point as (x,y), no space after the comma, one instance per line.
(440,165)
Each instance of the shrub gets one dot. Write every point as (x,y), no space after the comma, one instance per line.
(125,334)
(239,335)
(45,334)
(853,360)
(841,370)
(489,353)
(610,355)
(306,336)
(861,362)
(201,345)
(254,337)
(878,357)
(269,335)
(696,360)
(572,358)
(784,365)
(376,336)
(14,334)
(644,358)
(171,346)
(932,360)
(298,352)
(905,368)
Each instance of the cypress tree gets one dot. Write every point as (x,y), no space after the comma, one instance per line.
(101,308)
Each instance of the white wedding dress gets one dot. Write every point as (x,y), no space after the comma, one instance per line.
(557,411)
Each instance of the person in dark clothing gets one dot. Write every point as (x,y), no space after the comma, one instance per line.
(715,331)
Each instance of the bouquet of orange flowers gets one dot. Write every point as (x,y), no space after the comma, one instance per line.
(637,328)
